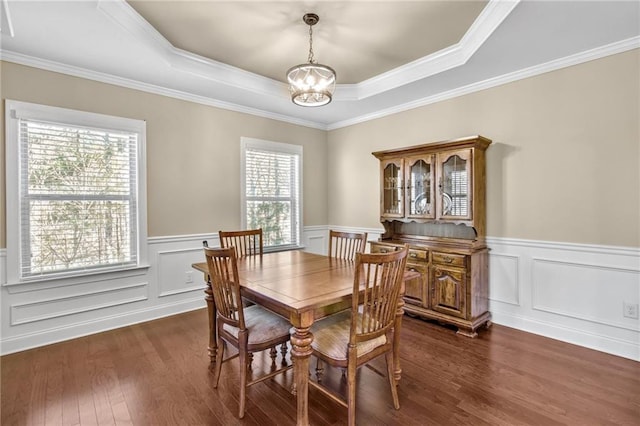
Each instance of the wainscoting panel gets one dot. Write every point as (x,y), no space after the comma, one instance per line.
(46,309)
(173,277)
(316,240)
(597,291)
(505,280)
(570,292)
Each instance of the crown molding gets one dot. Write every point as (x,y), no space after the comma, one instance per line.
(597,53)
(589,55)
(58,67)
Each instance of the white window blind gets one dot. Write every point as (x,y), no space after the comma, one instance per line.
(78,192)
(272,189)
(459,188)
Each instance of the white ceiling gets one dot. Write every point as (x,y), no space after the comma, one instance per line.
(391,55)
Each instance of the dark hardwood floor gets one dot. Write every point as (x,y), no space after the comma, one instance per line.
(156,374)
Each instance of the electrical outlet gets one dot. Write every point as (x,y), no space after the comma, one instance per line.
(630,310)
(189,278)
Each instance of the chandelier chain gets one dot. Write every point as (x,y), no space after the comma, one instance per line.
(310,59)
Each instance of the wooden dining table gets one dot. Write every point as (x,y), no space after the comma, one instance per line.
(302,287)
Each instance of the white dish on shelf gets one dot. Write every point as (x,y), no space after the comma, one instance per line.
(447,203)
(420,205)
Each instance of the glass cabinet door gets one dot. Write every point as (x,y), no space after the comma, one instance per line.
(392,189)
(420,187)
(454,185)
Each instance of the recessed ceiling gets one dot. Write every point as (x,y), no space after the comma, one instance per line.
(390,55)
(359,39)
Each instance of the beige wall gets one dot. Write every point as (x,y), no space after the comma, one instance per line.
(193,150)
(564,164)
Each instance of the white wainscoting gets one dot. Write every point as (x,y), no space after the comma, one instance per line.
(38,314)
(570,292)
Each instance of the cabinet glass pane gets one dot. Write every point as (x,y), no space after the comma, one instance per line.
(455,187)
(420,188)
(392,193)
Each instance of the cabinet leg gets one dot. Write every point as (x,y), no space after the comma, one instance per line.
(467,333)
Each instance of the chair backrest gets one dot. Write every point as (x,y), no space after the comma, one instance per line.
(225,284)
(246,243)
(380,276)
(345,245)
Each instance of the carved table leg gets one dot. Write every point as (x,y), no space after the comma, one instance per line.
(301,352)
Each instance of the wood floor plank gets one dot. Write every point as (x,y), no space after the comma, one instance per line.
(157,373)
(55,385)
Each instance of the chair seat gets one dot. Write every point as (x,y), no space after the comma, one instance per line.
(262,324)
(331,337)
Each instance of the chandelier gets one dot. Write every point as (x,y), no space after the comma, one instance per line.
(311,84)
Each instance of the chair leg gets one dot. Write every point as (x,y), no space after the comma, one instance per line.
(351,395)
(243,367)
(218,367)
(392,380)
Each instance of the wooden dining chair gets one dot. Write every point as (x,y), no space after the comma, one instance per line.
(345,245)
(246,243)
(352,338)
(248,329)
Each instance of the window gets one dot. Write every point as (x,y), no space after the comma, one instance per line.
(76,197)
(271,191)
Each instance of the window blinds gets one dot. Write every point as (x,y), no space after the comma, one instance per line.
(78,198)
(272,180)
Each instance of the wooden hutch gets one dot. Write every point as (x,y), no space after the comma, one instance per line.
(432,197)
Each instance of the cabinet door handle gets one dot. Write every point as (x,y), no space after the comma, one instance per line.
(414,255)
(447,259)
(384,251)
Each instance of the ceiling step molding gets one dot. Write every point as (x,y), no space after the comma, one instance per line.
(589,55)
(453,56)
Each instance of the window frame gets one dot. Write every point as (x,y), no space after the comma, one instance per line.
(17,110)
(247,143)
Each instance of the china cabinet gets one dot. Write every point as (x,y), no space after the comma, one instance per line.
(433,197)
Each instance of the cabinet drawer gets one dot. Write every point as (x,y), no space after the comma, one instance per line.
(417,256)
(449,259)
(382,248)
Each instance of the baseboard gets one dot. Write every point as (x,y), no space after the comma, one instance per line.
(623,348)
